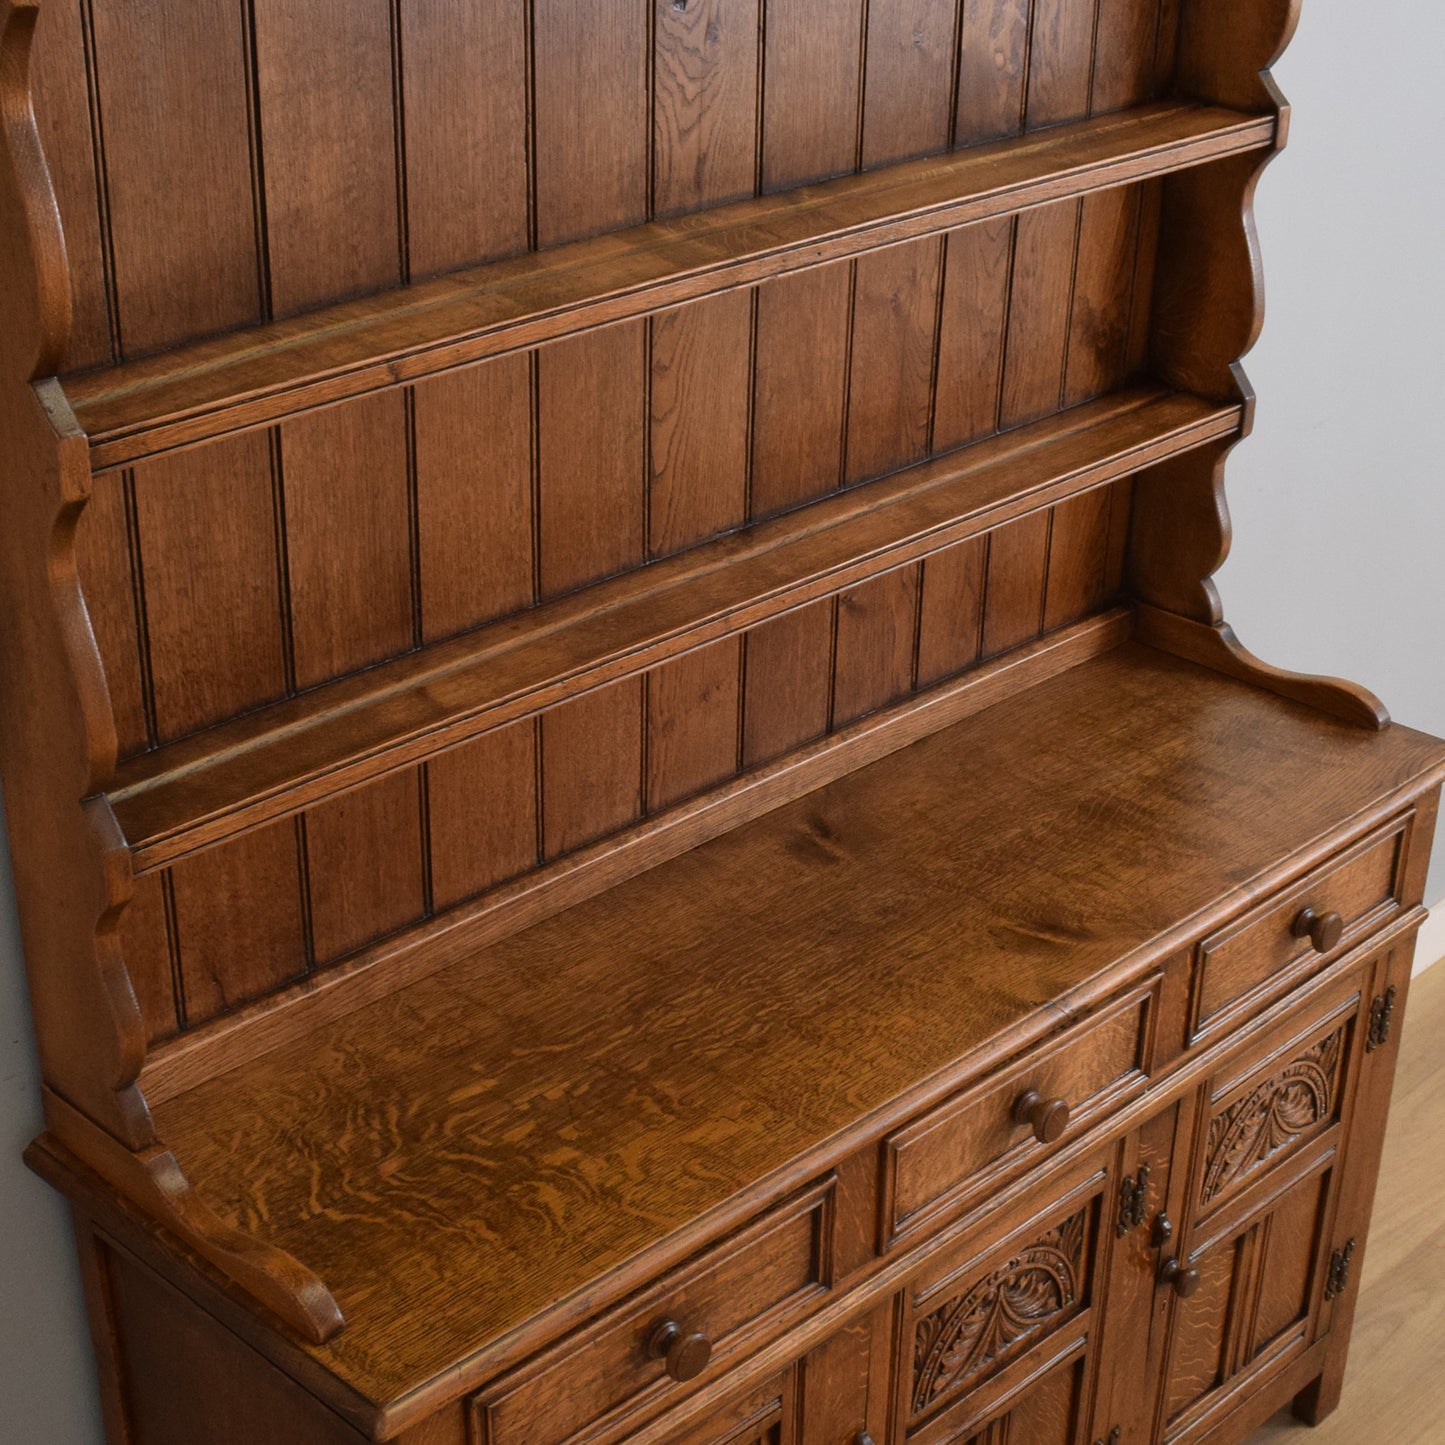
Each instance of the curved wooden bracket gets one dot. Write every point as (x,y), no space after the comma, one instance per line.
(1214,645)
(153,1181)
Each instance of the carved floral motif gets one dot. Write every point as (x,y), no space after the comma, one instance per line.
(1273,1115)
(1021,1298)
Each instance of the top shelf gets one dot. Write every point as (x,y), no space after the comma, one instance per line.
(263,374)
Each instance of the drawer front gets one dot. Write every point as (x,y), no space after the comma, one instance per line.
(598,1383)
(936,1162)
(1237,965)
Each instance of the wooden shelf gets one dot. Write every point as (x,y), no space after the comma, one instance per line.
(264,374)
(289,756)
(503,1155)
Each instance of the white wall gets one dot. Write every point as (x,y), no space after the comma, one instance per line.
(1339,563)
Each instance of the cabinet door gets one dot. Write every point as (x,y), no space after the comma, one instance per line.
(1243,1251)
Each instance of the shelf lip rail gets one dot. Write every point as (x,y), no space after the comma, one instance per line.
(261,375)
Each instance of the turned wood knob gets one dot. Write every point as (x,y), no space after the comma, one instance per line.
(1183,1280)
(1048,1118)
(686,1352)
(1324,930)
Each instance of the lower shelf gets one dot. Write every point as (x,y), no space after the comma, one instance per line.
(457,1158)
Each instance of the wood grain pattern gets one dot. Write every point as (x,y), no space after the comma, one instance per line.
(701,379)
(693,722)
(324,88)
(364,865)
(61,96)
(877,629)
(474,495)
(592,766)
(348,549)
(780,917)
(705,103)
(482,813)
(789,682)
(951,609)
(1060,61)
(810,105)
(183,235)
(800,387)
(1044,255)
(466,123)
(591,424)
(992,71)
(978,266)
(1101,312)
(591,117)
(145,940)
(910,75)
(890,394)
(206,523)
(240,921)
(1125,53)
(1018,559)
(1078,558)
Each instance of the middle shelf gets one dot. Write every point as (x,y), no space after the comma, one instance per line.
(283,758)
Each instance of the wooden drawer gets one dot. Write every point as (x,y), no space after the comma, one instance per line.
(600,1383)
(1251,960)
(935,1163)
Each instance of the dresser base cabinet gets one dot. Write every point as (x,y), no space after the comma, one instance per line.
(635,816)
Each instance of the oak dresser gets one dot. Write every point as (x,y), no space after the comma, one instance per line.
(634,813)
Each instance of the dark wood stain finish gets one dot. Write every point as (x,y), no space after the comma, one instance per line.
(634,813)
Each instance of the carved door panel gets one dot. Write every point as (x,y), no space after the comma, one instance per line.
(998,1335)
(1244,1248)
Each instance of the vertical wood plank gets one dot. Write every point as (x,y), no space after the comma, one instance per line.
(207,528)
(474,494)
(591,116)
(482,812)
(61,97)
(993,57)
(1098,348)
(464,84)
(907,109)
(891,379)
(348,545)
(799,387)
(951,610)
(1078,557)
(1121,510)
(364,865)
(240,922)
(172,85)
(1060,61)
(107,579)
(324,80)
(591,444)
(810,106)
(692,722)
(701,375)
(971,332)
(591,766)
(1018,556)
(706,104)
(1151,199)
(146,947)
(1124,54)
(788,682)
(877,628)
(1038,325)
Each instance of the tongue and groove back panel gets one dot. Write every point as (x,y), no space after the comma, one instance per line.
(323,150)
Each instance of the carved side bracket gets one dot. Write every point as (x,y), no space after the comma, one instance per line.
(1207,313)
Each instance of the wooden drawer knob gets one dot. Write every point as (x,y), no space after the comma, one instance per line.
(686,1352)
(1184,1281)
(1048,1118)
(1324,930)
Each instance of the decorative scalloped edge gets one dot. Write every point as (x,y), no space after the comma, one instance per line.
(1181,520)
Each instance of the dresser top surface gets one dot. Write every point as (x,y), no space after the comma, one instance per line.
(464,1154)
